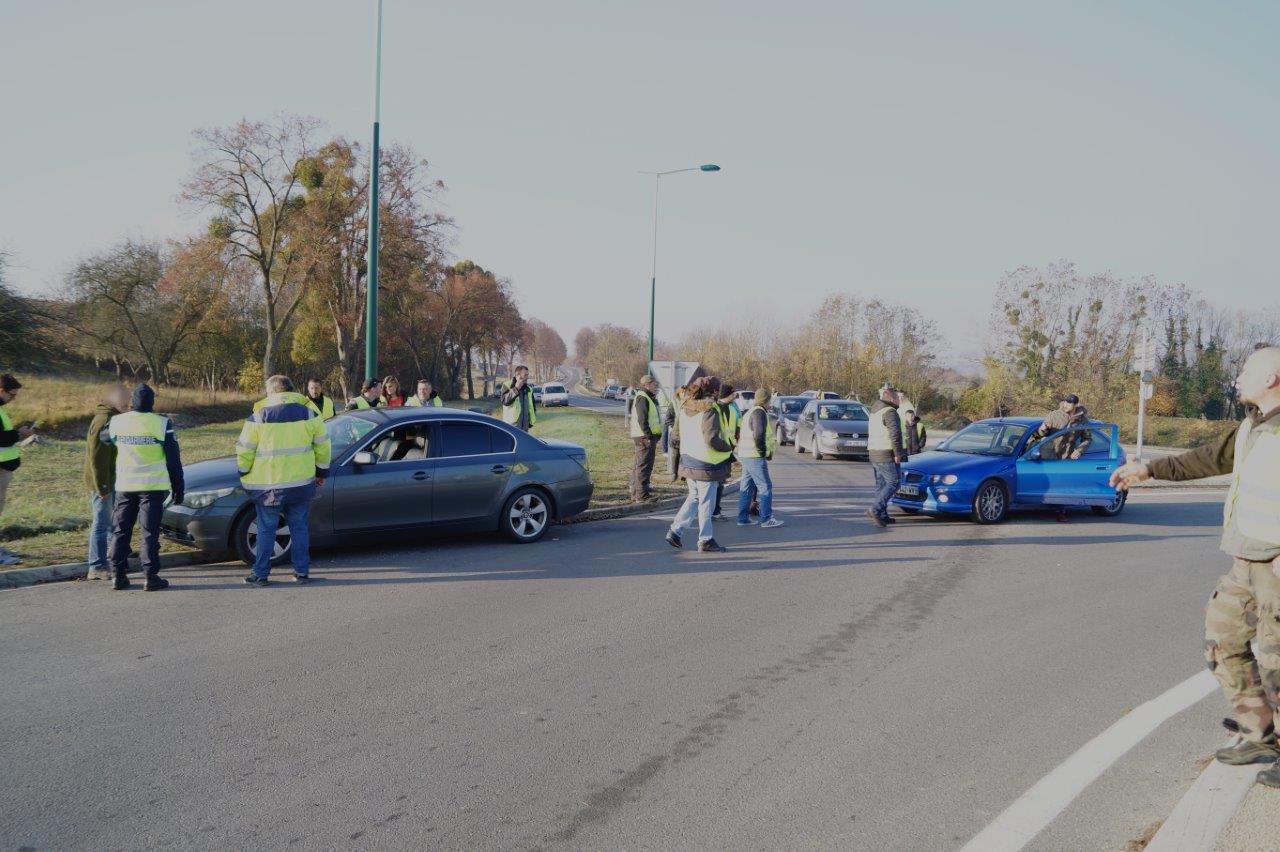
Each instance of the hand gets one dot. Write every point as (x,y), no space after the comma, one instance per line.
(1128,475)
(1076,454)
(177,497)
(319,481)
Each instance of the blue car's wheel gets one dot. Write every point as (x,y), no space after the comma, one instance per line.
(1114,507)
(990,503)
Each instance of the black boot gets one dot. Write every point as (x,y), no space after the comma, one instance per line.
(120,581)
(711,546)
(155,583)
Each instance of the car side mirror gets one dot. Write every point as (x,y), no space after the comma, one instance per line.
(1034,455)
(364,457)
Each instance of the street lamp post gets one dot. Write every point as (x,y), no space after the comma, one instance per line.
(653,281)
(371,300)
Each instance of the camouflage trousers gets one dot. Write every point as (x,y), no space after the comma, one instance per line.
(1246,606)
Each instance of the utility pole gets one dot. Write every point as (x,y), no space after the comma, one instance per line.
(1144,364)
(371,302)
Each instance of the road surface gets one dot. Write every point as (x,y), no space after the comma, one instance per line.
(821,685)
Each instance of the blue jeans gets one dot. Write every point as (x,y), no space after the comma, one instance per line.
(697,507)
(755,482)
(100,511)
(294,511)
(887,479)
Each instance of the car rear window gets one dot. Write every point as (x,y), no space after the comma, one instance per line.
(553,388)
(473,439)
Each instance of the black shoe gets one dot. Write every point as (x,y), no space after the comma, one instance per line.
(711,546)
(120,582)
(876,519)
(1270,776)
(889,519)
(1246,752)
(255,580)
(302,578)
(155,584)
(673,539)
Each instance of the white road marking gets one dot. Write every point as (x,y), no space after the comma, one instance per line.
(1039,806)
(1202,814)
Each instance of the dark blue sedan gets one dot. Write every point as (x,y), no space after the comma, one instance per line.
(992,467)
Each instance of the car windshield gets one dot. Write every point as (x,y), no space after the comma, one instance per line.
(793,406)
(842,411)
(346,430)
(986,439)
(553,388)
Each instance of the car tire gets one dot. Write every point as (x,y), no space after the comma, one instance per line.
(526,516)
(244,540)
(813,448)
(990,502)
(1115,508)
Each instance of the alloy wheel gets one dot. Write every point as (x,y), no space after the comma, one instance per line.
(528,515)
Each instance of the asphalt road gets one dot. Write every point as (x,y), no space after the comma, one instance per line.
(821,685)
(598,404)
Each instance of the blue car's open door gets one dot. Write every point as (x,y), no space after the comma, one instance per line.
(1045,479)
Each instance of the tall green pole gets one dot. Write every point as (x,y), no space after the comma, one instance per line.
(371,303)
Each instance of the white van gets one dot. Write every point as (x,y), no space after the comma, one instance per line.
(554,394)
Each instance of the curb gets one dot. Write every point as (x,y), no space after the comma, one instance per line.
(19,577)
(1204,811)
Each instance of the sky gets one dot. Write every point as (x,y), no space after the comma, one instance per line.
(914,152)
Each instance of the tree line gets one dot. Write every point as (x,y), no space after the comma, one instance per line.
(276,280)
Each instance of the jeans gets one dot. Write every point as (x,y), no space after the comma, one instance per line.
(100,511)
(887,479)
(129,508)
(697,507)
(755,483)
(294,509)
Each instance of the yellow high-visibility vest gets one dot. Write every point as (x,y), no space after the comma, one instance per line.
(694,445)
(511,411)
(282,444)
(414,402)
(140,461)
(7,453)
(653,426)
(747,440)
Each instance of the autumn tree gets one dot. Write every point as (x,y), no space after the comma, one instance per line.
(545,350)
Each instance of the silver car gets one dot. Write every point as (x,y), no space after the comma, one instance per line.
(402,471)
(835,427)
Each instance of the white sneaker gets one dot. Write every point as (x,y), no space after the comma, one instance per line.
(772,522)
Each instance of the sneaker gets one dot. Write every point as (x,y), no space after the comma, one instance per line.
(719,516)
(711,546)
(747,523)
(1269,777)
(889,519)
(673,539)
(155,584)
(301,578)
(98,574)
(876,519)
(771,523)
(1247,751)
(120,582)
(255,580)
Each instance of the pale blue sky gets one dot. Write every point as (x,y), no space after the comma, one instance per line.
(909,150)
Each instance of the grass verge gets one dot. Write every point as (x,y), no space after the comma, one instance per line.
(609,452)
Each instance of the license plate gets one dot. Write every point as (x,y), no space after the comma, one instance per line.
(855,443)
(909,490)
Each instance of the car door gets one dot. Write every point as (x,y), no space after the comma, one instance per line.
(1104,456)
(806,424)
(395,490)
(473,463)
(1044,479)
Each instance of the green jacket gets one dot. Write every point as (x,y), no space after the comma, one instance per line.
(100,458)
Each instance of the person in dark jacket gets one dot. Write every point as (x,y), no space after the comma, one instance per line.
(100,479)
(1071,445)
(9,453)
(913,433)
(886,453)
(732,417)
(148,470)
(705,456)
(646,429)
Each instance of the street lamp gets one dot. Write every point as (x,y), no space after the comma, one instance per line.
(371,299)
(653,282)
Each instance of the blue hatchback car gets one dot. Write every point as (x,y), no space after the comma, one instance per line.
(992,467)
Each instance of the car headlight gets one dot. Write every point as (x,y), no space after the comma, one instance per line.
(201,499)
(948,479)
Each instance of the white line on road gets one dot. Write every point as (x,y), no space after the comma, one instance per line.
(1039,806)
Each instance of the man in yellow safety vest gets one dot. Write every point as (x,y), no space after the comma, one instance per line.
(1246,602)
(370,396)
(10,455)
(426,397)
(646,430)
(148,469)
(755,450)
(323,404)
(518,408)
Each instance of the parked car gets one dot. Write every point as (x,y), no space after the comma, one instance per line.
(554,394)
(784,417)
(992,467)
(744,399)
(817,394)
(402,471)
(832,427)
(537,393)
(610,392)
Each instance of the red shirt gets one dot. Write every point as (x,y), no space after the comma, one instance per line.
(393,401)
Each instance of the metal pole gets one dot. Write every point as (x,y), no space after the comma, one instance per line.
(371,303)
(1142,413)
(653,282)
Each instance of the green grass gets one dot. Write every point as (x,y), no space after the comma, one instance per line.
(609,452)
(46,517)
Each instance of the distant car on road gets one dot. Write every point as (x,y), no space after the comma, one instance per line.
(992,467)
(554,394)
(784,416)
(399,472)
(832,427)
(610,392)
(817,394)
